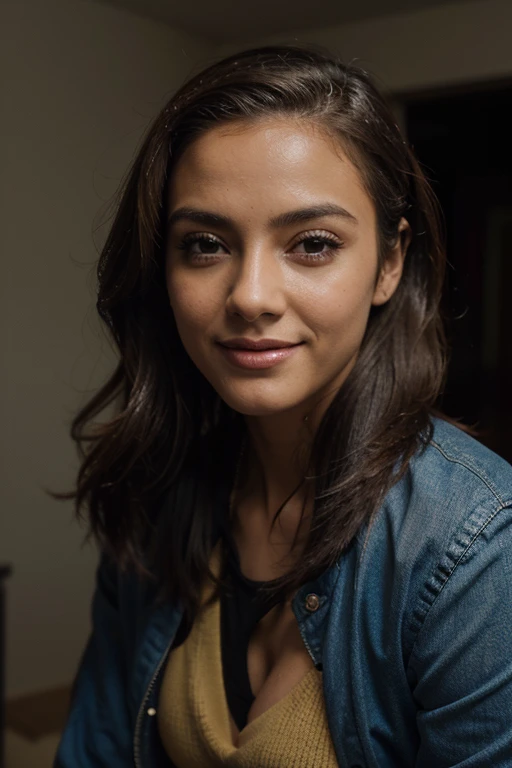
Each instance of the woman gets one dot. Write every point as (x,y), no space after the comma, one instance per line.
(303,563)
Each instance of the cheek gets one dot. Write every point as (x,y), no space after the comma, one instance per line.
(339,309)
(192,302)
(192,314)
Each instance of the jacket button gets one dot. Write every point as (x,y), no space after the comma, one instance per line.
(151,711)
(312,602)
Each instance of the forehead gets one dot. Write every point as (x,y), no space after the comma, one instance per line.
(271,162)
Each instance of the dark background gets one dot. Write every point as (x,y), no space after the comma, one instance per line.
(463,141)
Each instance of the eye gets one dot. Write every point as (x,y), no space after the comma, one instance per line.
(201,247)
(319,247)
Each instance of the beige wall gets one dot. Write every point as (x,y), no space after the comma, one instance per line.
(81,82)
(452,44)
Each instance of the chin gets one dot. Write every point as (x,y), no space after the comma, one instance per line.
(257,411)
(257,405)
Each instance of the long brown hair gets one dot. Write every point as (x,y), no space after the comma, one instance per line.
(171,439)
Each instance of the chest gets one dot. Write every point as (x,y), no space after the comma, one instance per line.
(277,658)
(352,636)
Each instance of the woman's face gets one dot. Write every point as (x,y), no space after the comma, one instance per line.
(272,236)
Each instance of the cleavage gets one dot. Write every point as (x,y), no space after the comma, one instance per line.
(275,656)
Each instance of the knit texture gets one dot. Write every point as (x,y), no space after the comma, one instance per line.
(194,721)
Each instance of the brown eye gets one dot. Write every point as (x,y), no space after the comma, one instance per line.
(208,246)
(317,249)
(200,245)
(314,245)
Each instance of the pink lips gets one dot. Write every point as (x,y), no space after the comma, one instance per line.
(257,355)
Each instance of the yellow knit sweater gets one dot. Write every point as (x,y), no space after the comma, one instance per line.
(193,715)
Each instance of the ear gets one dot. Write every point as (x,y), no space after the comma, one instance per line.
(392,268)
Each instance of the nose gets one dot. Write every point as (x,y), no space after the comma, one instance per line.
(258,285)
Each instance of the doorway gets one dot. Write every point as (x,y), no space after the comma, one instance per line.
(463,142)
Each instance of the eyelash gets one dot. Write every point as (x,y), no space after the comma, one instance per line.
(310,258)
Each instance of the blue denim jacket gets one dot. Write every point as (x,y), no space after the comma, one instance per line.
(412,629)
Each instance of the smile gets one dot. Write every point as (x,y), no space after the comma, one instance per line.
(258,359)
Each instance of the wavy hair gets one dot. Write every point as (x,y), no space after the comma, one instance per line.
(170,428)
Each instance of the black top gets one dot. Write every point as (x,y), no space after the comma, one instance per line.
(241,607)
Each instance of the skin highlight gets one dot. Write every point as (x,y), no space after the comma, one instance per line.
(247,277)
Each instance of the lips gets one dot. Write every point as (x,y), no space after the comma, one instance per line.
(257,344)
(260,355)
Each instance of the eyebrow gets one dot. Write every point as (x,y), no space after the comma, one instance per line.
(282,220)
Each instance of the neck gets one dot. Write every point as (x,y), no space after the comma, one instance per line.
(275,462)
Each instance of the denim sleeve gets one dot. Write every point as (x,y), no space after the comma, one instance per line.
(462,659)
(98,731)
